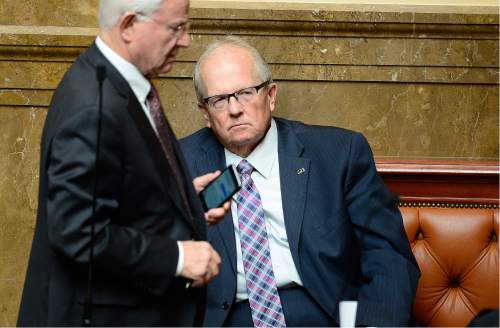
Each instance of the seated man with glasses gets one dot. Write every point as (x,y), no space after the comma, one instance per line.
(313,223)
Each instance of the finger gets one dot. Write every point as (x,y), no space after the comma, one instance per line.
(202,181)
(214,270)
(227,205)
(197,283)
(211,222)
(216,257)
(207,276)
(216,213)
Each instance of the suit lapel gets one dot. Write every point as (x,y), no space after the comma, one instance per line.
(194,201)
(226,232)
(154,147)
(294,175)
(213,159)
(146,131)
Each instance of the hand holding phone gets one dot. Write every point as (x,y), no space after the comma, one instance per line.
(221,189)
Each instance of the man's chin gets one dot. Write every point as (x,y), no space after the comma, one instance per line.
(245,141)
(241,147)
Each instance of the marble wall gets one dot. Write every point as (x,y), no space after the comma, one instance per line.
(418,81)
(397,2)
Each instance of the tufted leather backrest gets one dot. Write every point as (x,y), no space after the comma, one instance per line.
(457,252)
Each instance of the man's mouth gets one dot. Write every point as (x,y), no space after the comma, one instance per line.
(170,59)
(239,125)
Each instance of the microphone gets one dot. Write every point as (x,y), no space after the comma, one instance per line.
(87,307)
(101,75)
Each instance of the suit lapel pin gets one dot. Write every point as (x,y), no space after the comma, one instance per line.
(301,170)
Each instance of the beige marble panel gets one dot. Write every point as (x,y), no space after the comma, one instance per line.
(403,120)
(46,36)
(365,51)
(393,74)
(18,97)
(315,51)
(31,75)
(380,13)
(397,2)
(180,105)
(84,13)
(23,78)
(49,12)
(20,132)
(343,28)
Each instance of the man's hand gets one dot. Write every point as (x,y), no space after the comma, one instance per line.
(201,262)
(203,180)
(214,215)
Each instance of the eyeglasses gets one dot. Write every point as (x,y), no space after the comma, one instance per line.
(178,29)
(243,96)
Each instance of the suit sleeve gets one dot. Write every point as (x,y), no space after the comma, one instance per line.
(389,269)
(120,250)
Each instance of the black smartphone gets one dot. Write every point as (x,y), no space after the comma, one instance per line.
(221,189)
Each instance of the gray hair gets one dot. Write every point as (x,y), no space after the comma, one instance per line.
(261,68)
(111,10)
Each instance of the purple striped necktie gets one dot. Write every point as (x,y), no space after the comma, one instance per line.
(166,137)
(262,291)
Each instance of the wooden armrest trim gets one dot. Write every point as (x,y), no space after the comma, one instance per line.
(447,205)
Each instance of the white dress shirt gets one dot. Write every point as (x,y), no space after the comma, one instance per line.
(264,158)
(140,86)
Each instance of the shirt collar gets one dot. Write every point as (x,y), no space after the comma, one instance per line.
(263,157)
(139,84)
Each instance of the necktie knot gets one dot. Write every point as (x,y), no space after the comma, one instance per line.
(244,168)
(153,98)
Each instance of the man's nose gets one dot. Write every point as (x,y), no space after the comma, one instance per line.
(184,40)
(233,106)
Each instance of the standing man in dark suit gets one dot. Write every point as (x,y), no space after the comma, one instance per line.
(150,261)
(313,224)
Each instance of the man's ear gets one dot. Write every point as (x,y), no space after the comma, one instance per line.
(272,92)
(206,116)
(126,23)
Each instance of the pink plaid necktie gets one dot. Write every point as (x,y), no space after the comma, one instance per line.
(262,291)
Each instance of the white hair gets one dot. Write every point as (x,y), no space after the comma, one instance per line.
(111,10)
(262,70)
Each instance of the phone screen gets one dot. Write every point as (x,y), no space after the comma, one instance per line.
(221,189)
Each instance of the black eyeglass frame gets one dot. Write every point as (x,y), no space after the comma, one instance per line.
(228,96)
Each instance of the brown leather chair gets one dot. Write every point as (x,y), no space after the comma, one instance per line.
(457,251)
(450,213)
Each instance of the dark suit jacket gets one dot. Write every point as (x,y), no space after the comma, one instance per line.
(345,234)
(140,214)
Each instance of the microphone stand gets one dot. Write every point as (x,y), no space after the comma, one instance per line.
(87,306)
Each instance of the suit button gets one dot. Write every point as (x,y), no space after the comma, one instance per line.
(225,306)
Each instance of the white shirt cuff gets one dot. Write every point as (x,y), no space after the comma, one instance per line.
(180,262)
